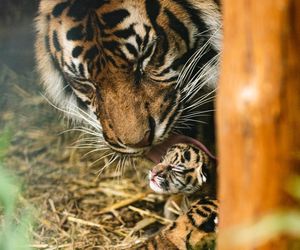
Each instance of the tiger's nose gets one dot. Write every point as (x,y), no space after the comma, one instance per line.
(145,142)
(148,138)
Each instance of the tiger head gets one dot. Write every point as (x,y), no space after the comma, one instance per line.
(115,64)
(184,169)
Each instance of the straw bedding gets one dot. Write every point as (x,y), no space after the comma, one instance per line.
(74,207)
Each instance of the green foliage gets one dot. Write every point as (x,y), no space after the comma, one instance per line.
(14,224)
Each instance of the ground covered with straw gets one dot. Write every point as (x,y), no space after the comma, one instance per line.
(73,206)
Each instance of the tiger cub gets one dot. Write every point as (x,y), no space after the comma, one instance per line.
(190,172)
(192,230)
(186,171)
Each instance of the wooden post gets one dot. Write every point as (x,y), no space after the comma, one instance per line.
(258,112)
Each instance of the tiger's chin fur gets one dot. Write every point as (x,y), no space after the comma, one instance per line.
(131,72)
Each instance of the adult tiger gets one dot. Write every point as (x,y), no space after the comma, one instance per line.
(132,71)
(121,63)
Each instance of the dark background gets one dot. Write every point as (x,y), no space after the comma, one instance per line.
(17,34)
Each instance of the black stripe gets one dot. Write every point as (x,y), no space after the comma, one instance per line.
(138,40)
(168,81)
(113,18)
(188,170)
(171,98)
(176,157)
(206,202)
(56,42)
(207,209)
(138,75)
(71,68)
(181,183)
(152,126)
(193,14)
(187,244)
(91,53)
(188,180)
(153,9)
(125,33)
(201,213)
(81,70)
(113,46)
(81,8)
(59,8)
(170,121)
(77,51)
(47,44)
(132,50)
(80,87)
(178,62)
(178,27)
(146,38)
(191,218)
(75,33)
(90,27)
(111,60)
(148,52)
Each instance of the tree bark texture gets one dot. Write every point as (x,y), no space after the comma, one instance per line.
(258,112)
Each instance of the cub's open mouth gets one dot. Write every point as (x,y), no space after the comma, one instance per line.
(159,150)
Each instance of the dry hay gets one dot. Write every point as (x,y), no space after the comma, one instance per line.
(74,207)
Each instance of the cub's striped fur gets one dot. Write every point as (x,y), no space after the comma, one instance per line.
(193,230)
(191,172)
(184,169)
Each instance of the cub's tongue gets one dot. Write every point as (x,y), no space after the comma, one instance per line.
(159,150)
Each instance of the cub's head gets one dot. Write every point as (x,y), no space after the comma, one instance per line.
(184,169)
(115,64)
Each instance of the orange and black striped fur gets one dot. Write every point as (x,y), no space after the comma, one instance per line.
(192,230)
(189,171)
(184,169)
(133,71)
